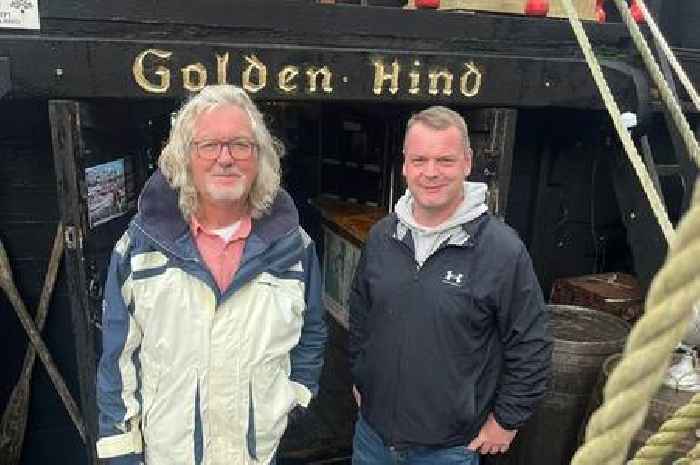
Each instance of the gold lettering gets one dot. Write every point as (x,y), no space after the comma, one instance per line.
(434,76)
(471,72)
(187,74)
(286,76)
(313,74)
(380,76)
(415,79)
(162,71)
(221,68)
(254,64)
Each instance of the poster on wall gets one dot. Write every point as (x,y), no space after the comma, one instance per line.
(340,259)
(19,14)
(106,188)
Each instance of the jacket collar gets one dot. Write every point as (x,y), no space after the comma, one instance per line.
(160,219)
(398,231)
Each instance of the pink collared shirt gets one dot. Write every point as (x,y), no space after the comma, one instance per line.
(221,257)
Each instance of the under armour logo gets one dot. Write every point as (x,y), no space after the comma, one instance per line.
(452,278)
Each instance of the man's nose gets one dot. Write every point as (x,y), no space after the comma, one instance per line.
(431,168)
(225,156)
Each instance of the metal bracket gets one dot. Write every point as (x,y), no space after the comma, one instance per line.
(72,237)
(642,90)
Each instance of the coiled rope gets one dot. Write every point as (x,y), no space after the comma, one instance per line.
(660,444)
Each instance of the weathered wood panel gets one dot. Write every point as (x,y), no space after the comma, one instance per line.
(28,218)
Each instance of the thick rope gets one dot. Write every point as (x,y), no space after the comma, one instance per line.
(674,291)
(657,205)
(683,422)
(693,457)
(630,387)
(666,49)
(657,76)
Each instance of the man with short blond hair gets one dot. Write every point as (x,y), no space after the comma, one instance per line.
(449,340)
(213,332)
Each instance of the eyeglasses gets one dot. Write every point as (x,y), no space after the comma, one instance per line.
(239,149)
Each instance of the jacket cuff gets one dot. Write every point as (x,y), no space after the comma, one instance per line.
(303,394)
(129,459)
(504,424)
(129,443)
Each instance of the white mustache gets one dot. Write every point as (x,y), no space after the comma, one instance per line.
(233,171)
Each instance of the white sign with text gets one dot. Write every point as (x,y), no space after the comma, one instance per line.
(19,14)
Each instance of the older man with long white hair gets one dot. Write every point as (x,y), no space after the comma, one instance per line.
(213,331)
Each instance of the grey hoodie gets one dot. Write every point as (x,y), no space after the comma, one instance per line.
(426,240)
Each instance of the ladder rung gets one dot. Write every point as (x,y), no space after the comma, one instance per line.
(668,170)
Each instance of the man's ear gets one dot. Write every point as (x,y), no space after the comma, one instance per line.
(468,153)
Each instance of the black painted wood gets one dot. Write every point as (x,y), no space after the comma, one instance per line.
(575,228)
(103,68)
(285,18)
(5,80)
(66,137)
(28,218)
(86,134)
(644,234)
(86,49)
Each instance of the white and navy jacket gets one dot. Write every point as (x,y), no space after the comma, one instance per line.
(192,375)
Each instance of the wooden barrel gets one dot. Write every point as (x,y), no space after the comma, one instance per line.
(664,403)
(583,340)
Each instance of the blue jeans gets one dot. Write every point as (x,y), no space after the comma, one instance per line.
(369,449)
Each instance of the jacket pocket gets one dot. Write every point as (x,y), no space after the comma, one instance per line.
(272,398)
(461,321)
(465,412)
(150,376)
(170,418)
(277,311)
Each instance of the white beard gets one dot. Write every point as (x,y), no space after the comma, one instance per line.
(228,194)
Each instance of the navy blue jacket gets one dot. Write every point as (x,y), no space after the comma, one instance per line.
(435,348)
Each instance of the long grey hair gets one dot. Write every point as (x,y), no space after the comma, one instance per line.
(175,158)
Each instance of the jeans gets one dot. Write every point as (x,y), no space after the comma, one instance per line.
(369,449)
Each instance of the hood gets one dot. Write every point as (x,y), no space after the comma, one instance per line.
(160,218)
(473,206)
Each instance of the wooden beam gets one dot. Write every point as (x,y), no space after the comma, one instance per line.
(67,142)
(78,68)
(319,23)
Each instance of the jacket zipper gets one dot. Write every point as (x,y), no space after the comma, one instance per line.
(416,275)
